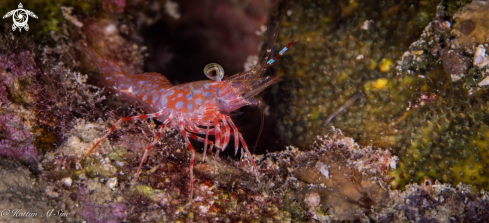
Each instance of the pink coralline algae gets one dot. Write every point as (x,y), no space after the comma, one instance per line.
(20,64)
(109,213)
(12,67)
(15,141)
(3,98)
(93,212)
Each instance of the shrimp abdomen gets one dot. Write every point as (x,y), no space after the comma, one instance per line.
(141,89)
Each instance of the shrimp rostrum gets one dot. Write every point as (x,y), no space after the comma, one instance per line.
(196,108)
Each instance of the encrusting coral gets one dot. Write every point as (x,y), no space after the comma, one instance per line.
(427,106)
(451,146)
(345,48)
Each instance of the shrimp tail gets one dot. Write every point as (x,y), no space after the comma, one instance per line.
(131,87)
(110,69)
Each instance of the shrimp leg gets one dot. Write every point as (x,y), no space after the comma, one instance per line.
(138,117)
(225,136)
(192,158)
(205,144)
(217,133)
(243,143)
(157,138)
(200,139)
(197,130)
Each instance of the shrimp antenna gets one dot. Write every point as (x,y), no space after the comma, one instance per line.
(261,128)
(269,52)
(277,56)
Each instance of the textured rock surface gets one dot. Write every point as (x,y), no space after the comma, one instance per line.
(23,198)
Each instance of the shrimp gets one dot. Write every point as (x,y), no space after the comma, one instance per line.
(195,108)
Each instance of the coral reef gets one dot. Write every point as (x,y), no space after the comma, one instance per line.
(457,152)
(428,106)
(470,24)
(348,179)
(336,180)
(423,99)
(435,203)
(343,48)
(342,180)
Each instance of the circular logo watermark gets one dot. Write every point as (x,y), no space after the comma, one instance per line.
(20,17)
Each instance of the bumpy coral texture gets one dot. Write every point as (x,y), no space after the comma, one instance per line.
(342,50)
(457,152)
(434,203)
(427,107)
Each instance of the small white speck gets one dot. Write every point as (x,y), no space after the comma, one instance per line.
(67,181)
(112,183)
(251,61)
(262,30)
(480,58)
(171,8)
(323,168)
(366,24)
(110,29)
(484,82)
(393,162)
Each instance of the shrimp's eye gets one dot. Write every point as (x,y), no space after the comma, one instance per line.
(214,71)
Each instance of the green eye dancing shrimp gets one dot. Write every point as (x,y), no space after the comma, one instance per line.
(195,108)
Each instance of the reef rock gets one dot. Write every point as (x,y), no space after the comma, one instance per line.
(472,24)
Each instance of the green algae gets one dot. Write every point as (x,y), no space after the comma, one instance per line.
(118,154)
